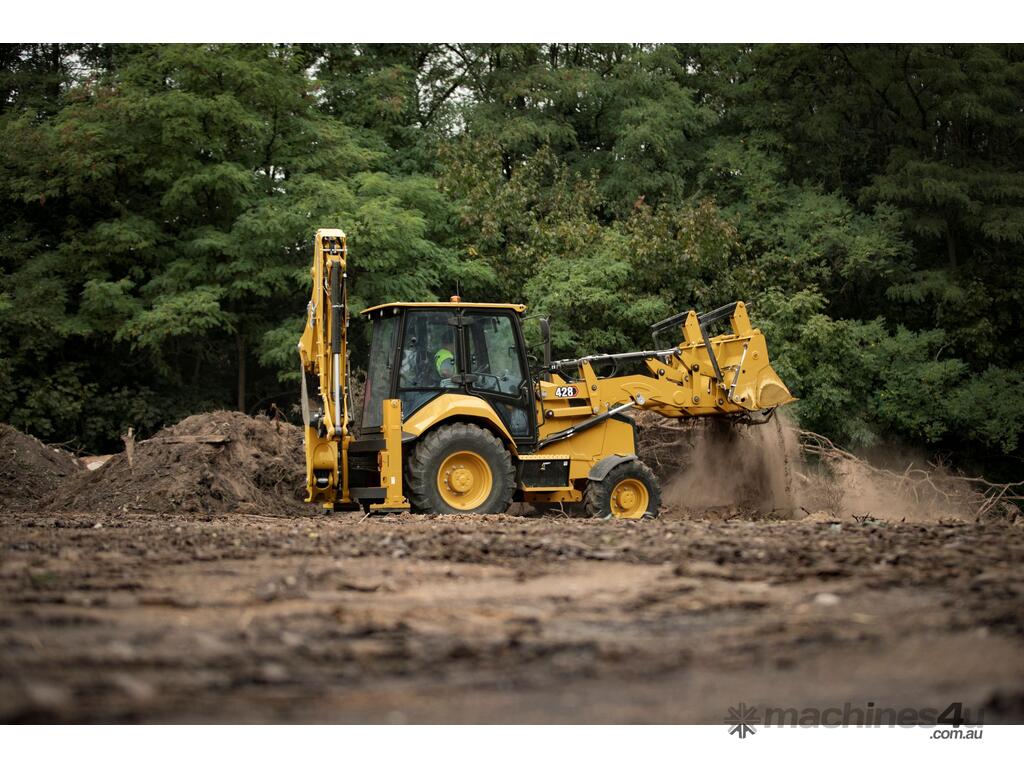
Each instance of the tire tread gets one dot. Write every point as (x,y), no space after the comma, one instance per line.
(597,496)
(419,477)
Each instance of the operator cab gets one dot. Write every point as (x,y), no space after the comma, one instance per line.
(421,351)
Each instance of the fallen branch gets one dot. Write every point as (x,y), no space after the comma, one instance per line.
(214,439)
(978,494)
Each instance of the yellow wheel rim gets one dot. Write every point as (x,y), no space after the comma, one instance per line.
(629,499)
(464,480)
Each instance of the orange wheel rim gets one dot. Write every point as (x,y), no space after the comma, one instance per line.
(629,499)
(464,480)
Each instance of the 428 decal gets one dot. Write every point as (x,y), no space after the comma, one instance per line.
(566,391)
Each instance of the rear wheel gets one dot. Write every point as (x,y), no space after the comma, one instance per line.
(460,468)
(629,491)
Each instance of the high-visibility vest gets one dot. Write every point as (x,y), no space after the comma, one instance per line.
(441,357)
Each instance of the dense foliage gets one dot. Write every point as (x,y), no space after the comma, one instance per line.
(158,203)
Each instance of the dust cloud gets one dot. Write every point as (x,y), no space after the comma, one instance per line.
(720,470)
(729,468)
(882,491)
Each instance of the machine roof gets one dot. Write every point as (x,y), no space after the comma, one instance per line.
(520,308)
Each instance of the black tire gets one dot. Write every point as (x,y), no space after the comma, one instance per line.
(431,451)
(598,495)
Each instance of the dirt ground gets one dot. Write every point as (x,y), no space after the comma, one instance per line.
(134,616)
(183,580)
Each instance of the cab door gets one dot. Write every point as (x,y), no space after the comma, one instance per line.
(496,367)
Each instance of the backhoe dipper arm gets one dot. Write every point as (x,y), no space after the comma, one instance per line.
(323,350)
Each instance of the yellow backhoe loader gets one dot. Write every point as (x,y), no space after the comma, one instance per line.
(453,420)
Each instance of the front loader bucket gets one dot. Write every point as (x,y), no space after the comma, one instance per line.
(731,370)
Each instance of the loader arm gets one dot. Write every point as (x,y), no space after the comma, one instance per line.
(725,375)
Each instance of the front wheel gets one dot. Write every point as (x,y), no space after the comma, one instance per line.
(460,468)
(629,491)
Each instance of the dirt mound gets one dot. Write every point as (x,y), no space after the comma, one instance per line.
(29,469)
(210,463)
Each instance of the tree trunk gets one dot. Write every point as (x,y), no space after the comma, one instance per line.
(950,246)
(241,371)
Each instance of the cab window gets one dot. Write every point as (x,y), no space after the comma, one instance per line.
(429,357)
(378,371)
(496,369)
(494,355)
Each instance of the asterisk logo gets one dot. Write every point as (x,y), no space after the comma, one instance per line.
(742,719)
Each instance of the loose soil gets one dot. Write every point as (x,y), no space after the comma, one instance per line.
(131,607)
(249,464)
(30,469)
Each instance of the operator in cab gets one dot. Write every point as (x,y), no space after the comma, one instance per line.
(444,359)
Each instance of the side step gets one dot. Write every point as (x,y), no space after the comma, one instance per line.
(375,493)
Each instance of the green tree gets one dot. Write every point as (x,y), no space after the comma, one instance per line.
(181,189)
(158,203)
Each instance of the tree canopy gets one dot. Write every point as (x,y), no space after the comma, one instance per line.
(158,203)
